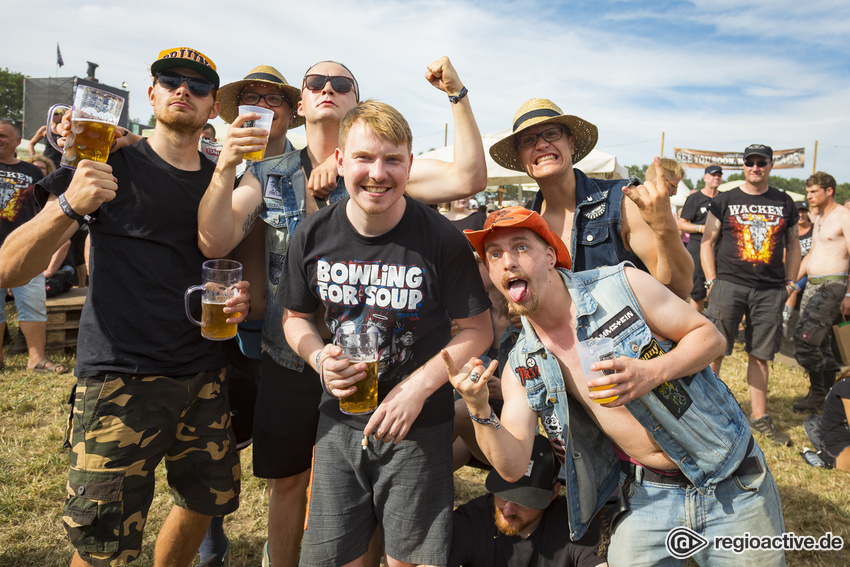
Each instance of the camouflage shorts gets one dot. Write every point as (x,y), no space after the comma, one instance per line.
(122,427)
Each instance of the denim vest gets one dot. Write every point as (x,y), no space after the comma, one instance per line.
(284,187)
(695,420)
(596,239)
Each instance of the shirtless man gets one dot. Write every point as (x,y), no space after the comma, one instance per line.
(826,292)
(654,433)
(591,215)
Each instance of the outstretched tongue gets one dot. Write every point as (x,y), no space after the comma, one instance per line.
(517,289)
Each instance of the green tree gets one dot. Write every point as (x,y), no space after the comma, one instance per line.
(638,170)
(11,94)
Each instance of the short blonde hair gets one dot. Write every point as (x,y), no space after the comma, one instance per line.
(51,167)
(382,119)
(671,167)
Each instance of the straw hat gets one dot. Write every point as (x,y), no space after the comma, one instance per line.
(229,94)
(543,111)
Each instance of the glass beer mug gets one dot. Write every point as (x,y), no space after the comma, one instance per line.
(94,117)
(220,278)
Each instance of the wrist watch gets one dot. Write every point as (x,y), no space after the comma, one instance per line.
(709,282)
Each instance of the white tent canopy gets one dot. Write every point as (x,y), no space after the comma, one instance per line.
(596,164)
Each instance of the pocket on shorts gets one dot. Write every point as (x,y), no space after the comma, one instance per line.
(752,482)
(93,509)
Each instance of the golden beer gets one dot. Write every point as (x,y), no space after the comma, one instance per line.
(365,399)
(213,322)
(255,156)
(88,139)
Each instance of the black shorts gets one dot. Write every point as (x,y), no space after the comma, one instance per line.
(285,420)
(698,292)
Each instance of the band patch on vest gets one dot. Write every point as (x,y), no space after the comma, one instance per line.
(671,394)
(616,324)
(529,371)
(595,212)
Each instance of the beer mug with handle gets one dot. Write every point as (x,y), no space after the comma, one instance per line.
(94,117)
(220,278)
(360,344)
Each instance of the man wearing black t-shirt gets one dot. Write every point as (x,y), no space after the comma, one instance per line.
(748,231)
(148,385)
(523,523)
(692,220)
(381,262)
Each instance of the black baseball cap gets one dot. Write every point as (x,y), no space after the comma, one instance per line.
(802,205)
(534,489)
(712,169)
(759,150)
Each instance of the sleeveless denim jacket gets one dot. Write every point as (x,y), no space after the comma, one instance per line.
(596,239)
(284,186)
(696,420)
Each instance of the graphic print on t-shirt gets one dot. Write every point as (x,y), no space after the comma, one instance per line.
(12,187)
(374,294)
(757,229)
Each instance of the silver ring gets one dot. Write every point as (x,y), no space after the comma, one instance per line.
(474,376)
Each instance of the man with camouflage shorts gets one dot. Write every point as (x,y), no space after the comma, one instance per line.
(148,386)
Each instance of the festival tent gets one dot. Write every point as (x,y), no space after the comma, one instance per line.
(596,164)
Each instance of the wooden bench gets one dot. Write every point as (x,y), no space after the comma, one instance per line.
(63,318)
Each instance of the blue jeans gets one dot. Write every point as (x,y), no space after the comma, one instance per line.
(747,503)
(30,301)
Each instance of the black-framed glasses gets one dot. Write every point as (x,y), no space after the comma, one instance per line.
(171,81)
(339,83)
(550,135)
(272,99)
(760,163)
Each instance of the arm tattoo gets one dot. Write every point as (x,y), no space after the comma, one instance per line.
(252,218)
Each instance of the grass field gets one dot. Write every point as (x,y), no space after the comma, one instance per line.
(33,413)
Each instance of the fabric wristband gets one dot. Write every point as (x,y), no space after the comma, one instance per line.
(71,213)
(492,420)
(457,98)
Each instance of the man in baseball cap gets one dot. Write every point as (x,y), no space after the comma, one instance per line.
(523,522)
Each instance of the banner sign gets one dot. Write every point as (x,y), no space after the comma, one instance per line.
(782,159)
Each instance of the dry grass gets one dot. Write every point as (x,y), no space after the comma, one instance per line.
(33,466)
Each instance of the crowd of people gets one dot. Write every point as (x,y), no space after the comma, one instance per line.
(478,319)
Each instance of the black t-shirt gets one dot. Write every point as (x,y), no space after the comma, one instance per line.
(695,210)
(476,542)
(409,282)
(475,221)
(751,243)
(17,201)
(833,424)
(144,255)
(806,240)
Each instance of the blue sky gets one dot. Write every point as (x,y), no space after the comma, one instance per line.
(711,75)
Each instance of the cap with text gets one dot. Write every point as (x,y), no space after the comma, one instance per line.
(759,150)
(188,58)
(519,217)
(534,489)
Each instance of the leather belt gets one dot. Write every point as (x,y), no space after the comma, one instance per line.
(749,465)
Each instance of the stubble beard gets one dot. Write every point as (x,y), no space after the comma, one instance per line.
(506,528)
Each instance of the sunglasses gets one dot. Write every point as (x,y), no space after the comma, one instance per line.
(172,81)
(338,83)
(272,99)
(528,140)
(760,163)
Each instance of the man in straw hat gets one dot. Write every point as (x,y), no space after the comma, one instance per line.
(278,191)
(673,435)
(523,523)
(145,376)
(591,215)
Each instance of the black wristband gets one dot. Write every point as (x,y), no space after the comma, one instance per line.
(457,98)
(71,213)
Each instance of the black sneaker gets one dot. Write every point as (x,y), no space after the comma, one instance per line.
(765,426)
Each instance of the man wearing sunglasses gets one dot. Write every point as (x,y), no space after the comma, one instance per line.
(145,376)
(750,255)
(283,191)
